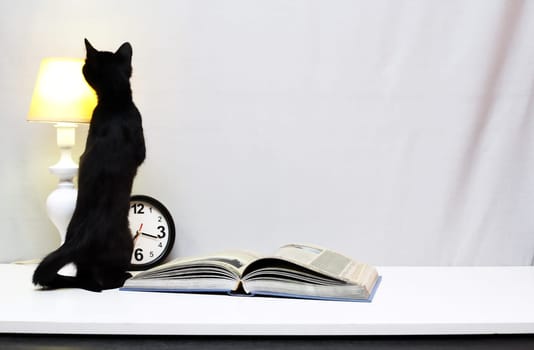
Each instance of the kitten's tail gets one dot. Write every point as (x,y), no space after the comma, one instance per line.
(46,274)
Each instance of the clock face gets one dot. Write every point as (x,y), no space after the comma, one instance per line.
(152,230)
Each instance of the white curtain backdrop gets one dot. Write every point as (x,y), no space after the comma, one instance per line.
(398,132)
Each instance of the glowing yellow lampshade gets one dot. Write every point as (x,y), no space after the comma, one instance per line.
(61,93)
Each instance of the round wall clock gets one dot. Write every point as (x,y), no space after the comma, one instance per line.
(152,230)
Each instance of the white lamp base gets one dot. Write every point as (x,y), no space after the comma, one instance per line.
(61,202)
(60,206)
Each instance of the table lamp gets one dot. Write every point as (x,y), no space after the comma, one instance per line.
(62,96)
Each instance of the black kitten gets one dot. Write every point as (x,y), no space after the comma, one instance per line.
(98,239)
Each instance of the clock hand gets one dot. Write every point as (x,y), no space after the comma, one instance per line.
(137,233)
(149,235)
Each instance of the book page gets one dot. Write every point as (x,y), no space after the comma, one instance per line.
(234,261)
(329,263)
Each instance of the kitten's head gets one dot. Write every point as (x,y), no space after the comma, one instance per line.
(108,71)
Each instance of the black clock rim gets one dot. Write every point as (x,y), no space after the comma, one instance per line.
(172,231)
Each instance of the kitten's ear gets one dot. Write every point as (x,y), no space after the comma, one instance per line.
(125,52)
(89,48)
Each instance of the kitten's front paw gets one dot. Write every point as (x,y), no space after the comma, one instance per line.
(92,286)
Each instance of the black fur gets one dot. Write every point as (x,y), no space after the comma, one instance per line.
(98,239)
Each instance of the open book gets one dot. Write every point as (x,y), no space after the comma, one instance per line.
(295,270)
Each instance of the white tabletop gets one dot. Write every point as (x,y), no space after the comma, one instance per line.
(410,300)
